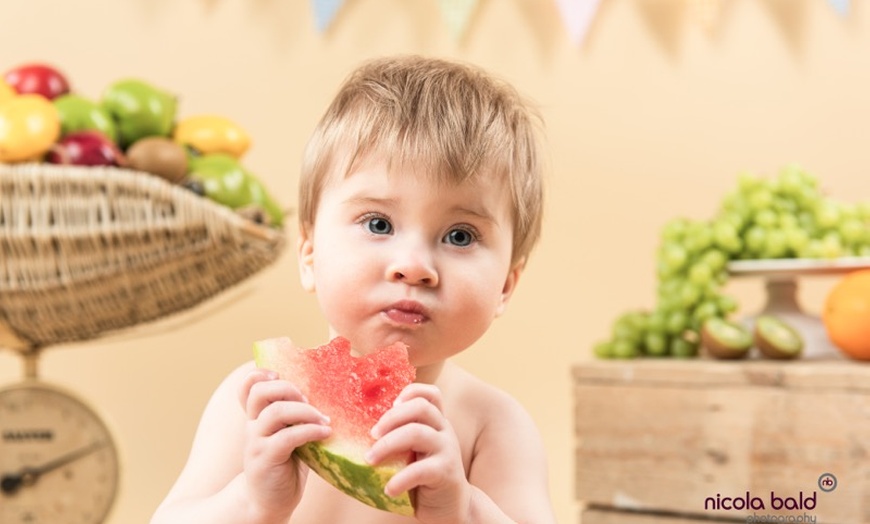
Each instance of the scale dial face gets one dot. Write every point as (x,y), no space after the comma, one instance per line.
(58,460)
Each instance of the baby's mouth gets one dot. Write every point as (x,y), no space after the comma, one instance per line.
(407,312)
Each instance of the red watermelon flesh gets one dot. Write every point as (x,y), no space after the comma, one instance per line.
(354,392)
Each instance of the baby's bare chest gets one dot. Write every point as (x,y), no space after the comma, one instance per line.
(324,504)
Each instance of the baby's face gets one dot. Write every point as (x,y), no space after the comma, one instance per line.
(398,256)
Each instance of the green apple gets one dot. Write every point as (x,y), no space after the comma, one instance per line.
(78,113)
(139,109)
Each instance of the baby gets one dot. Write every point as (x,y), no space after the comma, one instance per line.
(420,201)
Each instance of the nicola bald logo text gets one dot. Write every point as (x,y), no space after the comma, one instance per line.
(747,501)
(781,507)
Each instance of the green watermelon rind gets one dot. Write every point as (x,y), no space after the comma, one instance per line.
(361,481)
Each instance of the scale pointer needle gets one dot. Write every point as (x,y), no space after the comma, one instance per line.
(10,483)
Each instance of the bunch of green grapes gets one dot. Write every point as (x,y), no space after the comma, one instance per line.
(786,216)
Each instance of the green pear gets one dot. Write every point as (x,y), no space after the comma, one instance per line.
(77,113)
(139,109)
(222,177)
(262,198)
(227,182)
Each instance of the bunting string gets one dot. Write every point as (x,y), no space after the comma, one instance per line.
(577,15)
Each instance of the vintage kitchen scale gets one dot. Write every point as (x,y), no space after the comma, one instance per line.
(86,251)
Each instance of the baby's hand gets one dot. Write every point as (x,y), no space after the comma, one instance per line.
(279,421)
(416,424)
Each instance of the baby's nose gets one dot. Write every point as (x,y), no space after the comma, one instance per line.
(413,267)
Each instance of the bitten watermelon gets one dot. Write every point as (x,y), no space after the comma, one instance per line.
(354,392)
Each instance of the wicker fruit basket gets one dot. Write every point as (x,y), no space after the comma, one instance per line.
(86,251)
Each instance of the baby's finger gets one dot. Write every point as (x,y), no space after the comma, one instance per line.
(264,393)
(278,415)
(417,390)
(414,410)
(417,438)
(428,472)
(288,439)
(257,375)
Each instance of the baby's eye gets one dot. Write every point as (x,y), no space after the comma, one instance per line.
(460,237)
(379,226)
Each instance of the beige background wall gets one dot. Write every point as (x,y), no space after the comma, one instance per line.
(652,118)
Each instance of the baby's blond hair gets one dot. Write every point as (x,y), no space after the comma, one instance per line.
(444,118)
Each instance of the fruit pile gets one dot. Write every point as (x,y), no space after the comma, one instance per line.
(133,125)
(785,216)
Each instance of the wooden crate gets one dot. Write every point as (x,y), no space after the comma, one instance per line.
(669,440)
(614,516)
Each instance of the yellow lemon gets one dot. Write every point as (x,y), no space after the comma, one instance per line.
(212,134)
(29,126)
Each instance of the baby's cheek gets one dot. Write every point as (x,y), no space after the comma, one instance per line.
(474,311)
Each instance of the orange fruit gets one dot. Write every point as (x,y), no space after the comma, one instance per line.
(847,315)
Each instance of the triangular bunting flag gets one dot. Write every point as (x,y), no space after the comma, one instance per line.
(325,11)
(841,6)
(456,14)
(577,16)
(790,18)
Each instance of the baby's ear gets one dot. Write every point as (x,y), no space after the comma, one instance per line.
(305,255)
(510,284)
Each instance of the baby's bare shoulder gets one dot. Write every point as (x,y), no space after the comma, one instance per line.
(506,459)
(467,397)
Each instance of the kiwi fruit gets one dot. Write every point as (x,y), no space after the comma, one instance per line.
(776,339)
(159,156)
(724,339)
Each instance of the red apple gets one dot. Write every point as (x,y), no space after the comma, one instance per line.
(41,79)
(86,148)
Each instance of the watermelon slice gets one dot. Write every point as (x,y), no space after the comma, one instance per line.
(354,393)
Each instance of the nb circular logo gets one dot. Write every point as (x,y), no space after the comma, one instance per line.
(827,482)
